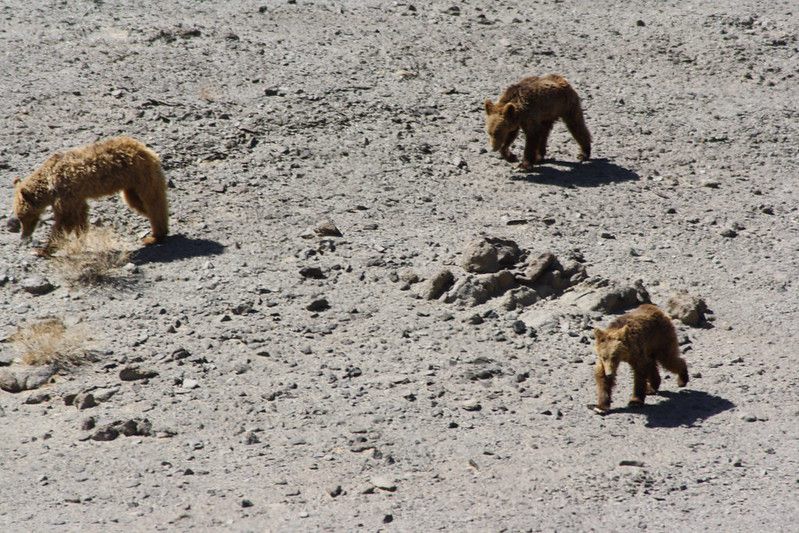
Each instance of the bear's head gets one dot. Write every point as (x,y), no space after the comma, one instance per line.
(501,121)
(27,207)
(611,348)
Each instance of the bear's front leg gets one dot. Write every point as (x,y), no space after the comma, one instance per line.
(505,152)
(604,388)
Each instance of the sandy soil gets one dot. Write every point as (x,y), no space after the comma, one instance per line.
(387,411)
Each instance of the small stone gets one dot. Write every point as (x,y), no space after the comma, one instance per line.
(729,233)
(737,462)
(387,519)
(250,437)
(519,327)
(105,434)
(138,427)
(13,225)
(640,23)
(383,483)
(459,162)
(189,384)
(36,285)
(88,423)
(746,417)
(335,491)
(626,462)
(180,353)
(312,273)
(246,503)
(37,398)
(471,405)
(327,228)
(84,400)
(475,319)
(320,304)
(408,275)
(135,373)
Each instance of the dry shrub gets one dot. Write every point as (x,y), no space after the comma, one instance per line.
(92,258)
(49,342)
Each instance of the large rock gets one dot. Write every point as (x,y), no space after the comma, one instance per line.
(687,308)
(489,255)
(599,294)
(519,297)
(20,378)
(476,289)
(535,268)
(548,276)
(437,285)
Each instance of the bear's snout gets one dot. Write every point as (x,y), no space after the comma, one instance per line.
(609,368)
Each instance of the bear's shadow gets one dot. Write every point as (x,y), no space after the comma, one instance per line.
(175,248)
(683,408)
(591,173)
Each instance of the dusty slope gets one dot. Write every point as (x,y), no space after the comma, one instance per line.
(270,120)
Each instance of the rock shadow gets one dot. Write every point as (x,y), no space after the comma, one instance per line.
(592,173)
(176,248)
(682,408)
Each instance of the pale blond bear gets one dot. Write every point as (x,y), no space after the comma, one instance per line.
(66,180)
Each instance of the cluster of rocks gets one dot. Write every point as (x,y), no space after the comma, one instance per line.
(500,268)
(495,268)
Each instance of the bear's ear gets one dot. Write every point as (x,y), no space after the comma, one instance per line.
(599,334)
(489,105)
(16,180)
(623,331)
(510,112)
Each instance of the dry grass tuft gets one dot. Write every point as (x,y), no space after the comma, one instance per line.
(92,258)
(49,342)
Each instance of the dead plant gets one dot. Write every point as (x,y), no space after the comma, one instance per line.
(92,258)
(50,342)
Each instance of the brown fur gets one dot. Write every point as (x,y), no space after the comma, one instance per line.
(644,338)
(534,105)
(66,180)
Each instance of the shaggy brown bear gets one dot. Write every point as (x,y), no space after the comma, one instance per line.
(644,338)
(66,180)
(533,105)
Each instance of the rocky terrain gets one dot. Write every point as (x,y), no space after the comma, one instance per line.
(295,357)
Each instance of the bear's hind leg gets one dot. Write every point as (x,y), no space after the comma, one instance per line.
(134,201)
(676,364)
(652,377)
(575,121)
(639,387)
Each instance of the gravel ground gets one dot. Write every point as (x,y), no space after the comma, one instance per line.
(236,408)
